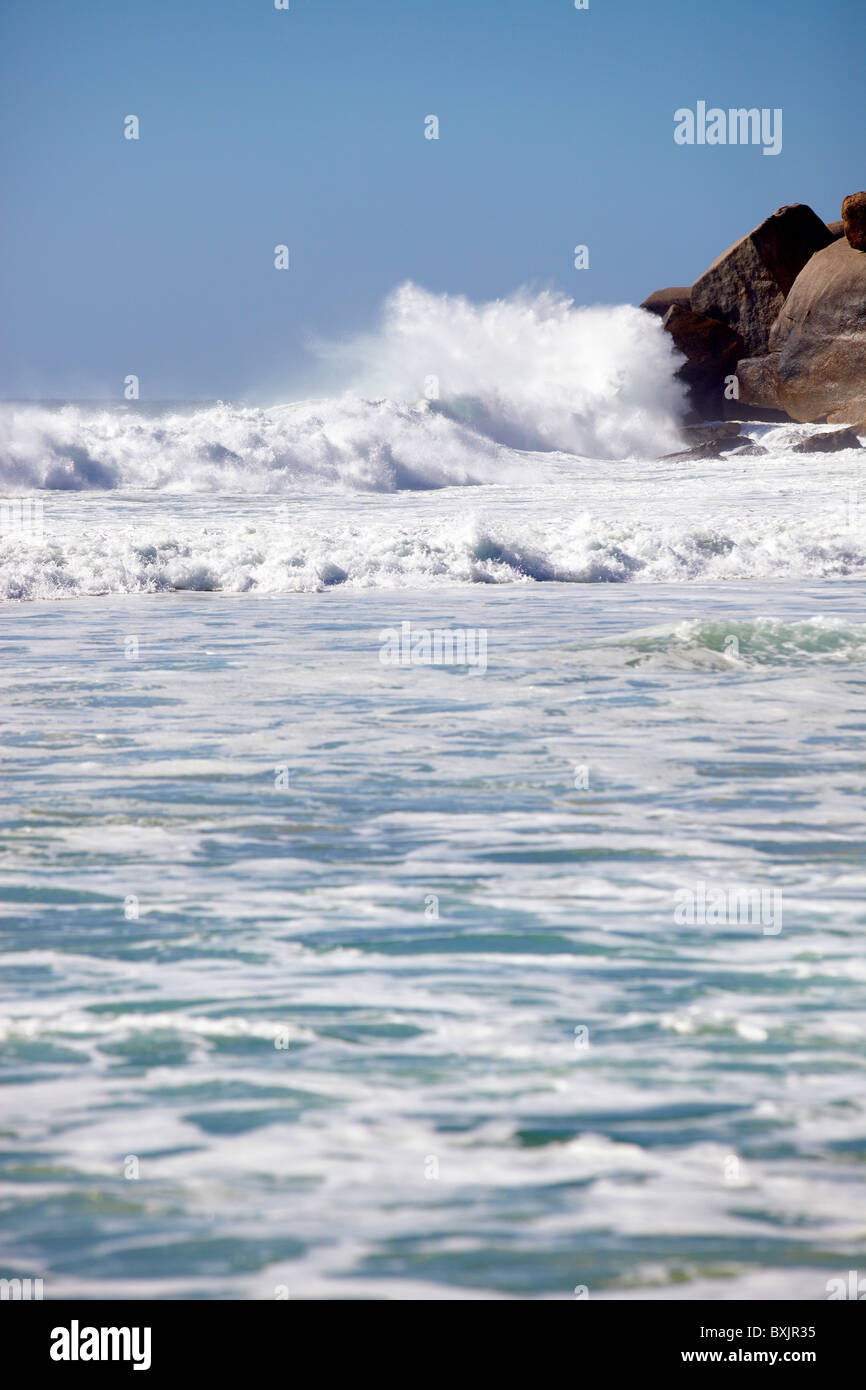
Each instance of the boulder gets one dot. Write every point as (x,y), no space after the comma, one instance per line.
(711,350)
(745,413)
(698,451)
(749,451)
(854,220)
(746,285)
(758,381)
(828,443)
(711,448)
(661,300)
(710,433)
(836,229)
(817,361)
(843,417)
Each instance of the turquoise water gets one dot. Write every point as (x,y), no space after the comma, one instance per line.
(329,978)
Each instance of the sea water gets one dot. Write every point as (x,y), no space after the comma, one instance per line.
(329,975)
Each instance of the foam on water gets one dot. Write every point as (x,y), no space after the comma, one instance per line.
(280,1032)
(580,522)
(524,373)
(285,1038)
(376,446)
(533,457)
(756,641)
(531,371)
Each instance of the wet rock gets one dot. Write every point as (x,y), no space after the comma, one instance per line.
(704,434)
(661,300)
(749,451)
(710,449)
(828,442)
(817,361)
(746,285)
(711,350)
(854,220)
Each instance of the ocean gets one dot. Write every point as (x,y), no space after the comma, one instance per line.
(432,846)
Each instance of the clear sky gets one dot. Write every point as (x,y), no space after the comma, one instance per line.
(305,127)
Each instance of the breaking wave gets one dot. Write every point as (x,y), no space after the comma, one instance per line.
(286,551)
(443,395)
(554,415)
(733,644)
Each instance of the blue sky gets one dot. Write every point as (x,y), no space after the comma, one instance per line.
(306,127)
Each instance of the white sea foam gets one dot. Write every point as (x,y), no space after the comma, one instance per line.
(523,373)
(537,460)
(532,372)
(283,550)
(329,1090)
(376,446)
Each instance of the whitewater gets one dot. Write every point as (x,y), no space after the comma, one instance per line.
(326,977)
(534,455)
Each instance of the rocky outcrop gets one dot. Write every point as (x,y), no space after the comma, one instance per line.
(816,366)
(699,451)
(830,442)
(711,442)
(746,285)
(757,381)
(749,451)
(711,433)
(854,220)
(711,350)
(661,300)
(790,297)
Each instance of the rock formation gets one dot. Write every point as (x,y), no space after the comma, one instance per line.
(816,366)
(854,220)
(746,285)
(783,311)
(661,300)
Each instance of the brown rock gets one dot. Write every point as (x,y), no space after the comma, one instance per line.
(746,285)
(842,417)
(755,414)
(711,350)
(836,229)
(854,220)
(712,449)
(749,451)
(827,443)
(758,381)
(818,343)
(706,434)
(746,413)
(661,300)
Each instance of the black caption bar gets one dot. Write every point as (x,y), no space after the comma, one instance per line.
(84,1340)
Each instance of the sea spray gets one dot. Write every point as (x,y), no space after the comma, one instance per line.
(446,393)
(530,371)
